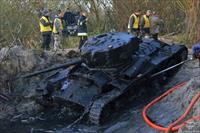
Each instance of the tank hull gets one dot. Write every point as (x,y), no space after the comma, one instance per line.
(98,90)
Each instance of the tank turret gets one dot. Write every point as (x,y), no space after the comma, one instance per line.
(109,50)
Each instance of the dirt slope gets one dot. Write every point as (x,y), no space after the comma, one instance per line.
(171,107)
(16,61)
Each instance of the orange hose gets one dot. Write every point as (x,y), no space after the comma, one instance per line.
(173,126)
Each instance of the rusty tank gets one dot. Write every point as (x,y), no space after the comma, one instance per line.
(112,67)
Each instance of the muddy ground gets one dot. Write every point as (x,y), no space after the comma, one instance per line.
(19,113)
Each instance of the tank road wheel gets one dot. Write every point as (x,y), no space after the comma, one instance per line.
(183,55)
(177,59)
(171,73)
(102,108)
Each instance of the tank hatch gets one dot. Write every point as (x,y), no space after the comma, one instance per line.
(109,50)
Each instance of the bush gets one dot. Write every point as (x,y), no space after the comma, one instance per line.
(19,24)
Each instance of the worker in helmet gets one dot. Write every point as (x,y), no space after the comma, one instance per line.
(82,28)
(57,29)
(196,51)
(133,24)
(45,29)
(145,24)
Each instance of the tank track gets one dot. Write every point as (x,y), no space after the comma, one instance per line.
(99,105)
(103,103)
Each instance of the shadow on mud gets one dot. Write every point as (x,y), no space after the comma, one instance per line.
(57,119)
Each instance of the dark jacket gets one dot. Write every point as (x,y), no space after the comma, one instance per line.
(155,22)
(82,26)
(69,18)
(196,49)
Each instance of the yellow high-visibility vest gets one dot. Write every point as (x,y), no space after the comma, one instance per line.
(146,22)
(44,28)
(55,30)
(136,22)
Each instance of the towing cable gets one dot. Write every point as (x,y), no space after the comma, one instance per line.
(174,126)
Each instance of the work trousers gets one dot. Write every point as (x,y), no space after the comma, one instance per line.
(83,39)
(155,36)
(46,39)
(145,32)
(134,31)
(57,41)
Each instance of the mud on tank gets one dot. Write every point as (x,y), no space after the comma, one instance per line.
(112,67)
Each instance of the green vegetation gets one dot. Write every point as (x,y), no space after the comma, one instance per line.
(70,42)
(19,18)
(19,24)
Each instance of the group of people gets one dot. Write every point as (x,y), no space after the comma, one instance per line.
(139,25)
(144,25)
(149,25)
(54,26)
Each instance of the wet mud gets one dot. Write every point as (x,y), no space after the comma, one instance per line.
(27,117)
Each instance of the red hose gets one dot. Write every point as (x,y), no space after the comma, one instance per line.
(173,126)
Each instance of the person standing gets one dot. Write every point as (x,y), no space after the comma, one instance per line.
(145,24)
(45,29)
(82,28)
(155,22)
(133,24)
(57,29)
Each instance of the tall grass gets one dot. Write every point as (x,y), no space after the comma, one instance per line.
(19,18)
